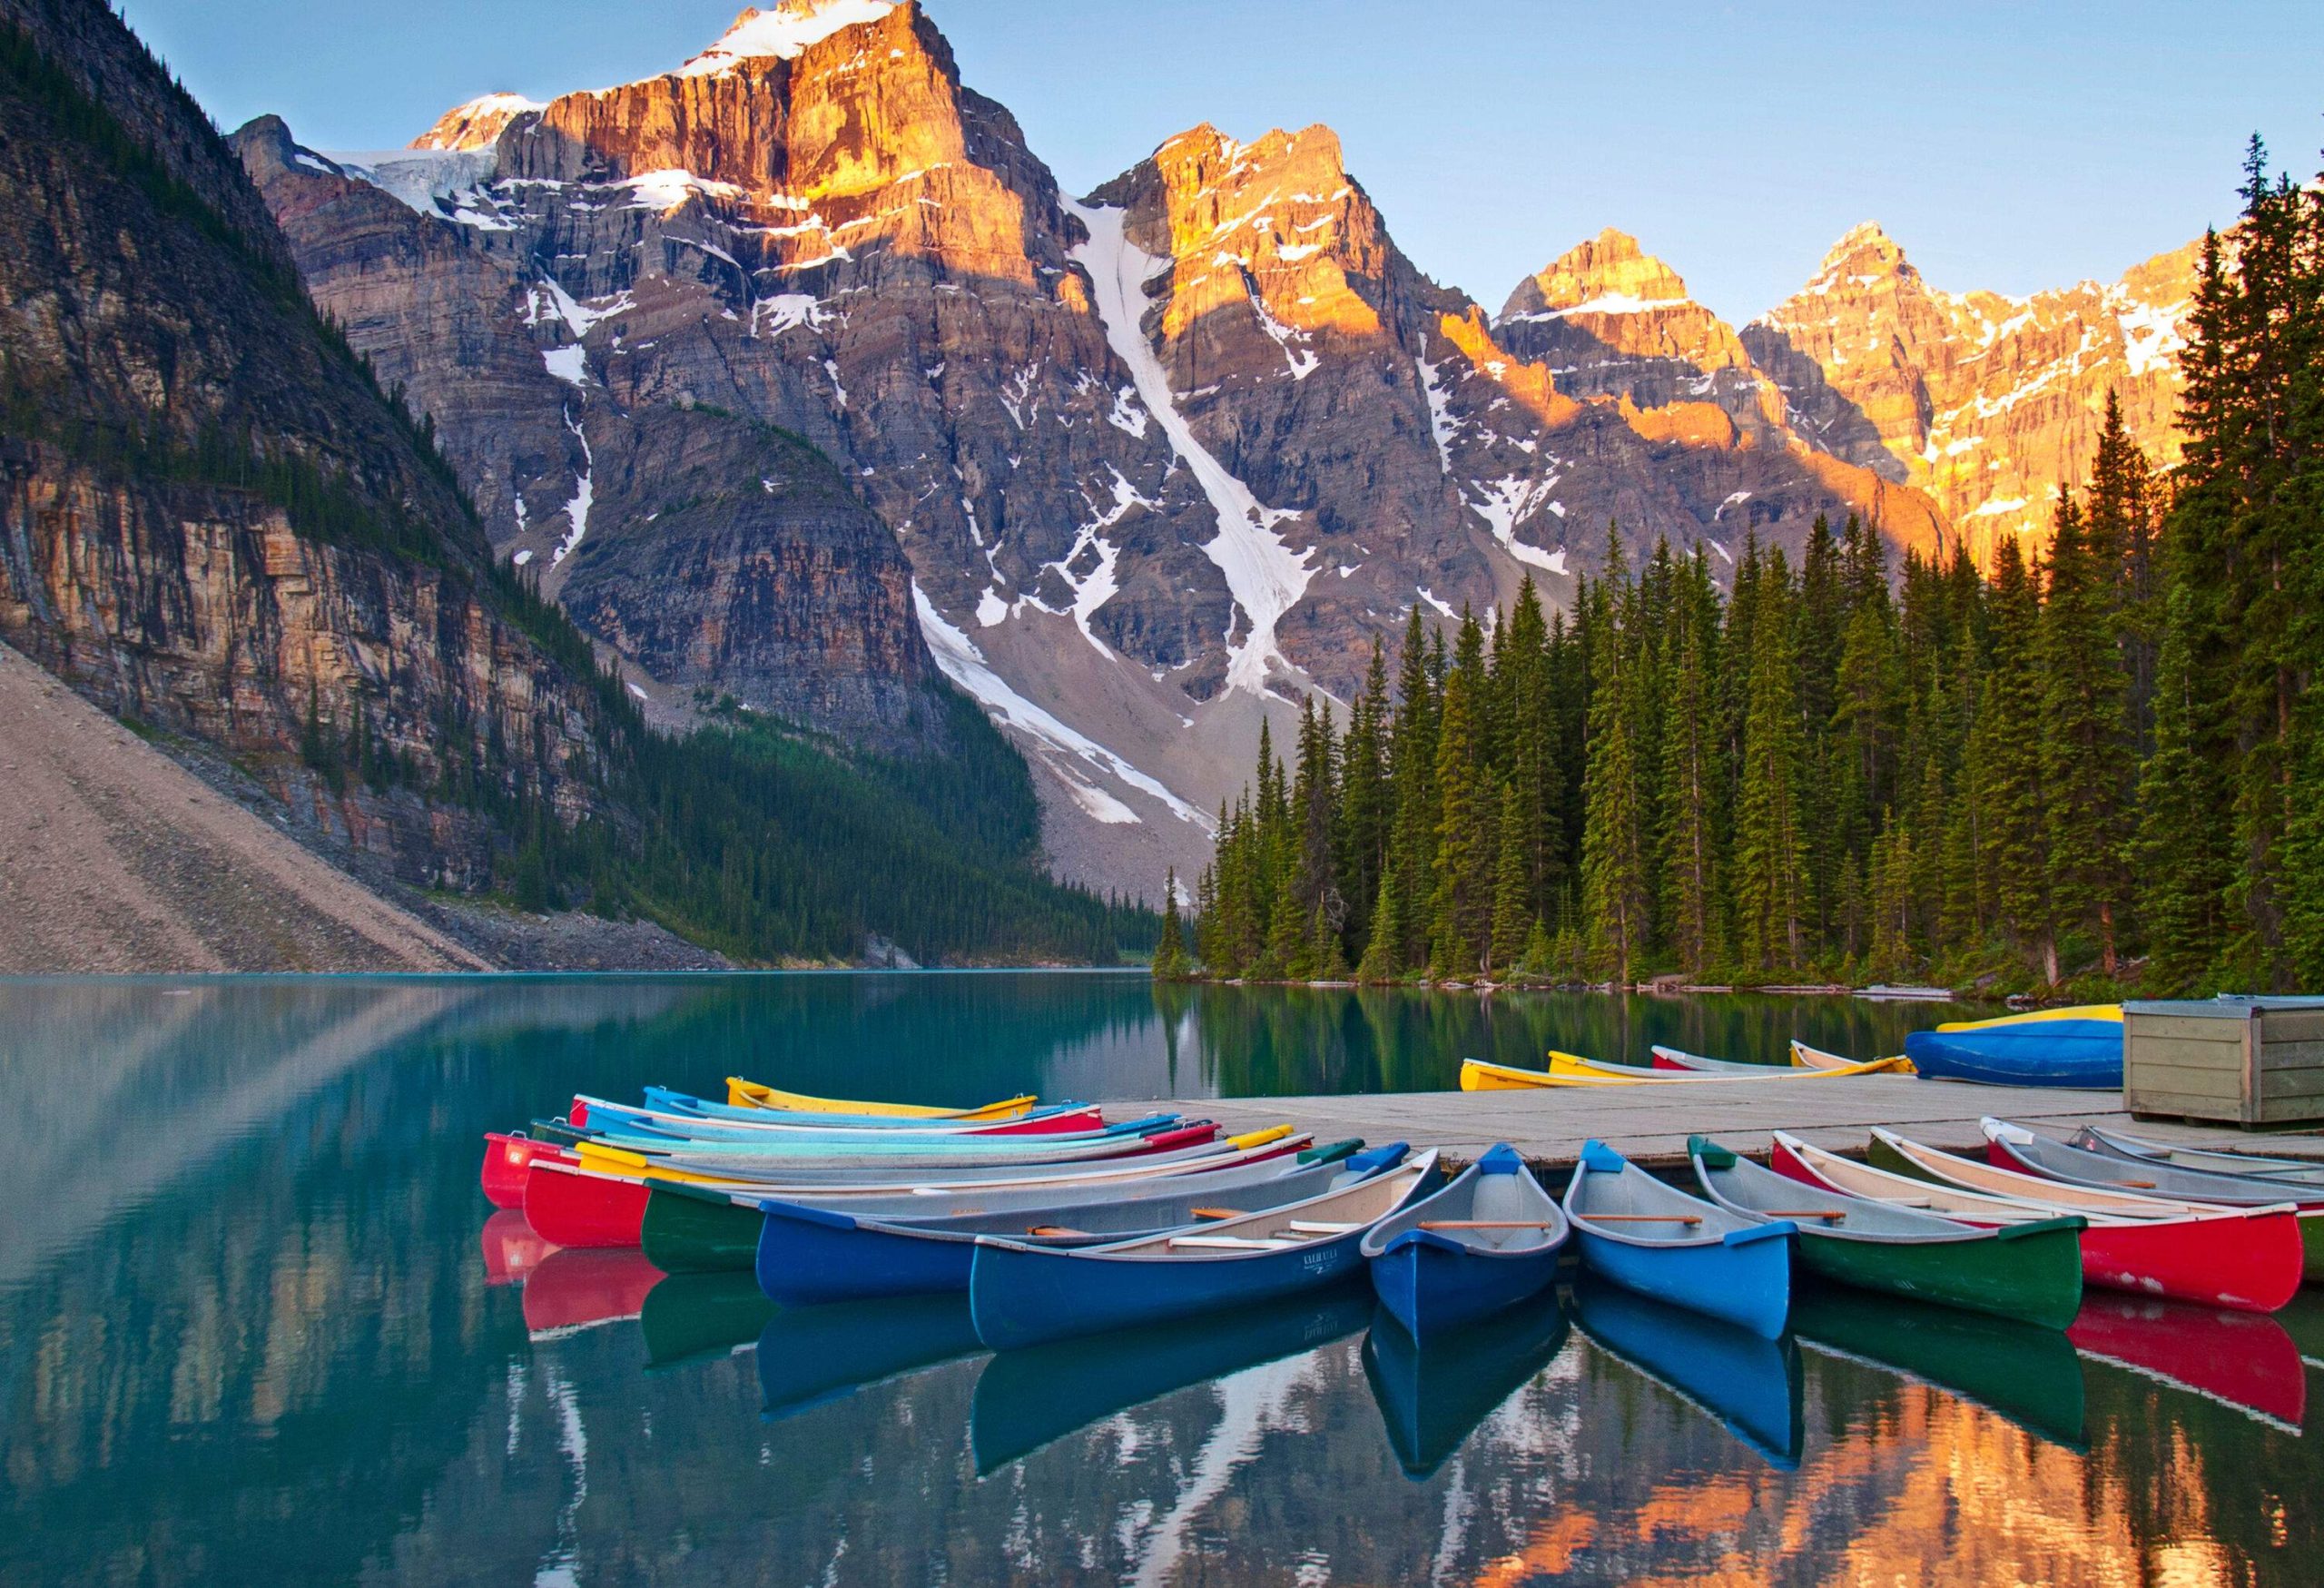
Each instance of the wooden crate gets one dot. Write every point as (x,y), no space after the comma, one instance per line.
(2243,1061)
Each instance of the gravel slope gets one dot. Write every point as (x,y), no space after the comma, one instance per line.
(113,858)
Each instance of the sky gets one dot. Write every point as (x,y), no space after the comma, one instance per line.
(2011,147)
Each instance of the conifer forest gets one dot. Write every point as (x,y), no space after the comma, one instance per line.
(2095,765)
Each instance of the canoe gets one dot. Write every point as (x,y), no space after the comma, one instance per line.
(601,1199)
(507,1158)
(814,1355)
(1573,1064)
(2249,1260)
(693,1317)
(1679,1059)
(577,1290)
(1022,1295)
(1749,1381)
(1033,1121)
(1027,1400)
(749,1094)
(1566,1070)
(1656,1239)
(1487,1240)
(1159,1134)
(2080,1047)
(2025,1373)
(762,1124)
(1433,1396)
(2296,1171)
(818,1182)
(2235,1358)
(2027,1271)
(1807,1058)
(695,1228)
(2014,1147)
(511,1248)
(810,1255)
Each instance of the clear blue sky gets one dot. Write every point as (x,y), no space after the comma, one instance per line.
(2010,146)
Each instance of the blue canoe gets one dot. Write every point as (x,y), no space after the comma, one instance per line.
(1658,1240)
(1022,1295)
(1487,1241)
(811,1254)
(1748,1382)
(2080,1046)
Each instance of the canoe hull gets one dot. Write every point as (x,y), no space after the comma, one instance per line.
(2035,1277)
(807,1260)
(683,1234)
(1433,1286)
(2061,1048)
(1023,1296)
(570,1209)
(1746,1283)
(508,1161)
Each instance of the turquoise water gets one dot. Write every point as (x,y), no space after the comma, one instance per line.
(256,1326)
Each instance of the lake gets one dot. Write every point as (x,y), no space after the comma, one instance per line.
(276,1334)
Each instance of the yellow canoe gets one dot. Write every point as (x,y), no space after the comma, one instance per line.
(1566,1069)
(752,1094)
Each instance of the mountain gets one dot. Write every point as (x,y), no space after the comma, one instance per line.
(1988,402)
(221,529)
(1158,461)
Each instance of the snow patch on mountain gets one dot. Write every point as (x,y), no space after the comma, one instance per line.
(959,659)
(782,33)
(1263,575)
(418,177)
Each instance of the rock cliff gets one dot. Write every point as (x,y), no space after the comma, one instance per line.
(1990,403)
(208,519)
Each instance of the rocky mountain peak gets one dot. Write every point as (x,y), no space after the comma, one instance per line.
(476,124)
(1609,273)
(781,33)
(1864,255)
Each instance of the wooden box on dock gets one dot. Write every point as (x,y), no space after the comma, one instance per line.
(2244,1060)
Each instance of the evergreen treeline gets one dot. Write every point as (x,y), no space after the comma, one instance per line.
(2056,767)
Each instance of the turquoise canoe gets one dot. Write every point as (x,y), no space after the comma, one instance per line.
(1656,1239)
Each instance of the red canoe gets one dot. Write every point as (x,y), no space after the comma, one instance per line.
(572,1208)
(2232,1357)
(505,1161)
(511,1248)
(577,1290)
(2244,1260)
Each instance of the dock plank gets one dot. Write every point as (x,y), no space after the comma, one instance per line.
(1651,1124)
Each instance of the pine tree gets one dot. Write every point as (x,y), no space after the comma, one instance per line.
(2007,750)
(1461,905)
(1615,900)
(2085,750)
(1690,778)
(1170,949)
(1513,919)
(1383,957)
(1768,908)
(1411,759)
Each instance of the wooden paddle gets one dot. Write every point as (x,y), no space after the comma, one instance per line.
(1485,1224)
(1798,1213)
(1216,1212)
(1055,1229)
(1640,1218)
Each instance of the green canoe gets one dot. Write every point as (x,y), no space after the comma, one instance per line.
(2027,1271)
(689,1230)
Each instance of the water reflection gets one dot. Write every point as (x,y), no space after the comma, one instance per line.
(276,1334)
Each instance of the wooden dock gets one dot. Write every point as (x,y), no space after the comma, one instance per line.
(1651,1123)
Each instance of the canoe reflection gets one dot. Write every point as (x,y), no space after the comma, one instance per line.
(1747,1381)
(1432,1397)
(579,1288)
(511,1249)
(1031,1398)
(2027,1374)
(2240,1359)
(812,1354)
(688,1317)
